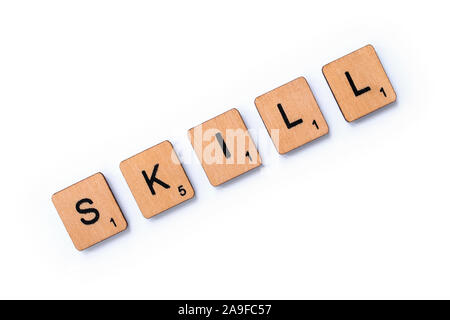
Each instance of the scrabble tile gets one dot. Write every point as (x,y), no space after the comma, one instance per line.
(224,147)
(157,179)
(359,83)
(291,115)
(89,211)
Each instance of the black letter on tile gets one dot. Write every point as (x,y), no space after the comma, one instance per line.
(154,179)
(86,211)
(222,143)
(352,84)
(289,125)
(247,154)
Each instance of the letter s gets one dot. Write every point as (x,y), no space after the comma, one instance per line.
(86,211)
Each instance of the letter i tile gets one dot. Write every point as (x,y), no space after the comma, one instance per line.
(224,147)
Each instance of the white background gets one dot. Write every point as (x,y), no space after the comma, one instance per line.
(361,213)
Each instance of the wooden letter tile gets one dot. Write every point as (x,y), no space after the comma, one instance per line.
(291,115)
(359,83)
(89,211)
(157,179)
(224,147)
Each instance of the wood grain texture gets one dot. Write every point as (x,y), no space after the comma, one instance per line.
(365,71)
(89,211)
(223,164)
(170,185)
(291,115)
